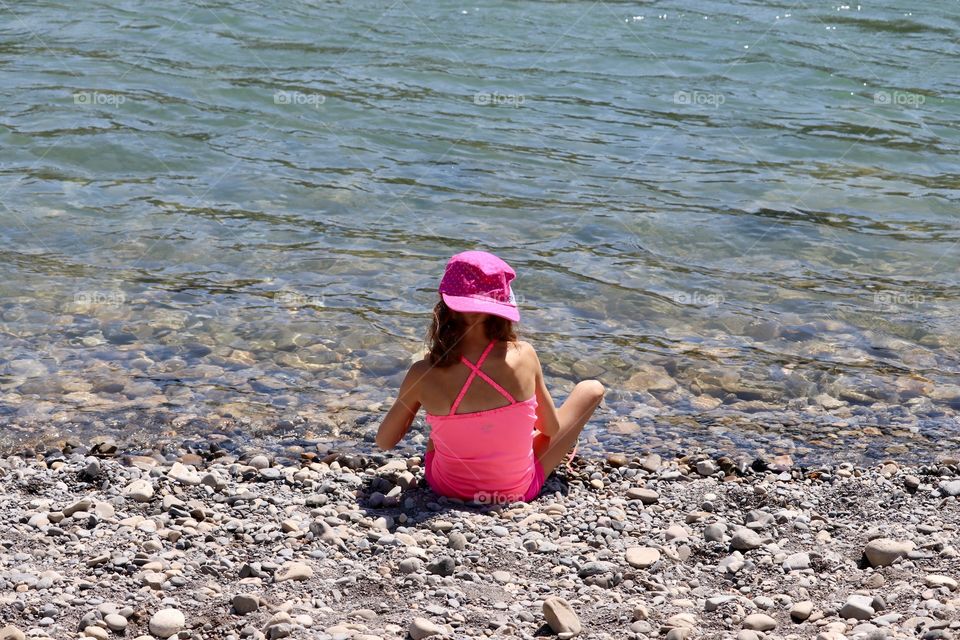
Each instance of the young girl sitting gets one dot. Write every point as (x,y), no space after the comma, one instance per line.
(495,433)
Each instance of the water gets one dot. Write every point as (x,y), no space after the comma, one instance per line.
(740,216)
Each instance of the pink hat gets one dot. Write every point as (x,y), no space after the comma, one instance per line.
(477,281)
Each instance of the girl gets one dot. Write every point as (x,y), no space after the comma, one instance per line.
(495,433)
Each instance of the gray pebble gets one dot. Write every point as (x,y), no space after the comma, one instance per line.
(442,566)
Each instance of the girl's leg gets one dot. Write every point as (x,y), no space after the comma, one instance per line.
(573,415)
(428,463)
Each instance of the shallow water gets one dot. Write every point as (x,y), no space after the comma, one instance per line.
(741,217)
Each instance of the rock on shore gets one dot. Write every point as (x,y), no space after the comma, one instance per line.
(215,545)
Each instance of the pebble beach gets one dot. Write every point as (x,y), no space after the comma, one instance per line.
(189,543)
(223,228)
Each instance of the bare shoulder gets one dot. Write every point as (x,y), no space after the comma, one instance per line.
(420,367)
(526,351)
(418,370)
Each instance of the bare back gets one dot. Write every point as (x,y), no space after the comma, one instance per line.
(512,365)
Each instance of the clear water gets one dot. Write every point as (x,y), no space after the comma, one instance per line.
(242,210)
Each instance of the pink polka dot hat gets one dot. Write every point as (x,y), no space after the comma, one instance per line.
(479,282)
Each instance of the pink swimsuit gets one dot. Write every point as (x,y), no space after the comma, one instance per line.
(485,456)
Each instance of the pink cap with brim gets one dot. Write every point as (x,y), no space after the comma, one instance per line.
(479,282)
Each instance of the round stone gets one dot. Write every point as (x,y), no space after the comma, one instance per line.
(642,557)
(936,581)
(457,541)
(875,581)
(139,491)
(759,622)
(167,622)
(616,460)
(245,603)
(422,628)
(442,566)
(714,532)
(297,571)
(675,532)
(115,621)
(259,462)
(646,496)
(797,562)
(93,631)
(801,611)
(746,539)
(681,621)
(857,607)
(950,488)
(707,467)
(883,552)
(410,565)
(652,463)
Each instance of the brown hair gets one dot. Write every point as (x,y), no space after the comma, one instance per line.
(447,329)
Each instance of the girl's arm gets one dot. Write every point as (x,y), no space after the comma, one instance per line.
(547,422)
(404,409)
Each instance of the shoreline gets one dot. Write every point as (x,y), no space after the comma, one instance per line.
(810,439)
(353,546)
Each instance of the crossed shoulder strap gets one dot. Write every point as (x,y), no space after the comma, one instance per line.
(475,371)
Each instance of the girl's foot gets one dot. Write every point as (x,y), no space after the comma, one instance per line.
(570,458)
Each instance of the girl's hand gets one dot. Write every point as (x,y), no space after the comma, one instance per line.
(404,409)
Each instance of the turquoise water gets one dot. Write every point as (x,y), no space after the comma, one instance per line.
(739,216)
